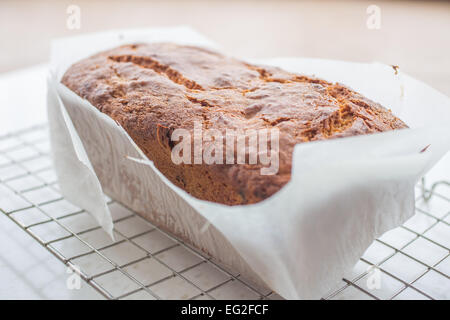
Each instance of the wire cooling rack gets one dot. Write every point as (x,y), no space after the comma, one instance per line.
(144,262)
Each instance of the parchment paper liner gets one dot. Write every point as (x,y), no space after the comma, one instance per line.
(300,242)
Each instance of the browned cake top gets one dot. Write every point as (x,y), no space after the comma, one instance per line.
(146,87)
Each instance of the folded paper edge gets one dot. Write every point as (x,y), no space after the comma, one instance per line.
(68,138)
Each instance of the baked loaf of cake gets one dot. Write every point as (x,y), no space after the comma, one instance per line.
(153,89)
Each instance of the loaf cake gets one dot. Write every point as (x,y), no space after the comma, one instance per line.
(153,89)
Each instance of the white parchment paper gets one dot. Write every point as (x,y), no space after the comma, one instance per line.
(343,193)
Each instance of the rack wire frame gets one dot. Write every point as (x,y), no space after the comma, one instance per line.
(35,140)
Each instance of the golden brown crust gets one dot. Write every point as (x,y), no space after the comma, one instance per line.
(152,89)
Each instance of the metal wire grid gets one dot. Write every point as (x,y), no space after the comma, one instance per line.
(144,262)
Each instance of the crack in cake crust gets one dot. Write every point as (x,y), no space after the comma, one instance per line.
(149,63)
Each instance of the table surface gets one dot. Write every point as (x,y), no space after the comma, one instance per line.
(27,270)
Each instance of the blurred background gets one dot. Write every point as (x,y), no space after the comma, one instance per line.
(412,34)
